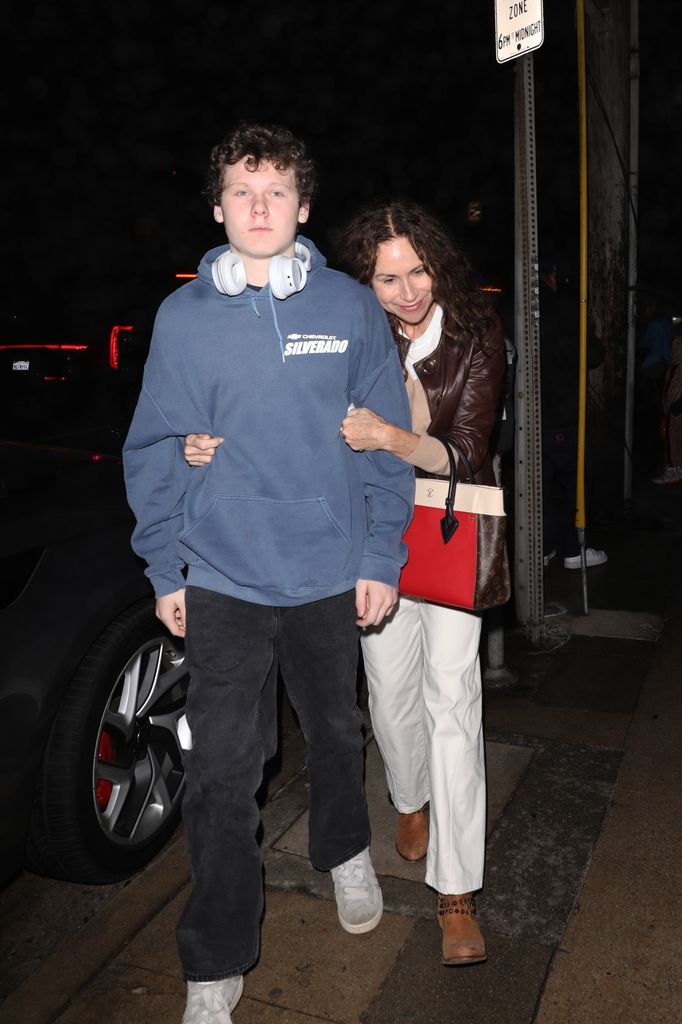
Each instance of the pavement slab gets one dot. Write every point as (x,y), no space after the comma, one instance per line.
(333,975)
(153,949)
(122,994)
(420,989)
(577,689)
(621,949)
(539,852)
(505,765)
(618,624)
(516,713)
(637,576)
(596,674)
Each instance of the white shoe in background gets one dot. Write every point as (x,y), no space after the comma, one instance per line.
(670,475)
(592,557)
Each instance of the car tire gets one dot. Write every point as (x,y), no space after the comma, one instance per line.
(111,780)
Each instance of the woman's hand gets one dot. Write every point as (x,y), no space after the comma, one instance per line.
(364,431)
(200,448)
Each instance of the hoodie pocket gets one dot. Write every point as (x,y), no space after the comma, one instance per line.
(283,545)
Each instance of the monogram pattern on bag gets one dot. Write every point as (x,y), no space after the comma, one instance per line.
(492,566)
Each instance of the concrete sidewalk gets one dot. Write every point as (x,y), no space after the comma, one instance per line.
(581,906)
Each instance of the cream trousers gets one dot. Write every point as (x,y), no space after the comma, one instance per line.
(424,680)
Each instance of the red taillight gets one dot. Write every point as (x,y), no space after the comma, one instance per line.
(52,348)
(104,788)
(95,457)
(185,277)
(54,378)
(113,343)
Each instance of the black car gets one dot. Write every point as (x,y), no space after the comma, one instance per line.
(49,385)
(93,688)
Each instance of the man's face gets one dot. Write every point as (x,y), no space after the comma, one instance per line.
(261,211)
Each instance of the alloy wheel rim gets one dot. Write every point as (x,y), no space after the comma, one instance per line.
(137,773)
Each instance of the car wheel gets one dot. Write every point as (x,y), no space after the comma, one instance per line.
(111,781)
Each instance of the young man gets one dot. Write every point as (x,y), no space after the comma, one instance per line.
(288,540)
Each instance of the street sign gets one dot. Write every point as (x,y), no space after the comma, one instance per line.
(519,27)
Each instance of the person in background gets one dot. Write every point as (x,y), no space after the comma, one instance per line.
(277,551)
(672,410)
(654,359)
(422,663)
(559,374)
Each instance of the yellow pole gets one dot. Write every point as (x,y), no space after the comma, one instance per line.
(582,382)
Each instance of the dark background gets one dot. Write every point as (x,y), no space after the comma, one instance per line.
(110,110)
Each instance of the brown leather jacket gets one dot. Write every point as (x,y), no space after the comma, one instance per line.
(463,383)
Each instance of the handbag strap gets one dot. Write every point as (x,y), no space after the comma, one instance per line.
(449,522)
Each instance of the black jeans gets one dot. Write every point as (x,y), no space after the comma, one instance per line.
(233,650)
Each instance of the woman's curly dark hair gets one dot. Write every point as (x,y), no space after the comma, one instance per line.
(261,143)
(465,309)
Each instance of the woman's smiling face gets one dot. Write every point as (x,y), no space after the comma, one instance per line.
(401,283)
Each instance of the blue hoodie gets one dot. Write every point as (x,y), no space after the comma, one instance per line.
(286,513)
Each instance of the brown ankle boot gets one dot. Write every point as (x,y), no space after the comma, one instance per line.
(462,939)
(412,835)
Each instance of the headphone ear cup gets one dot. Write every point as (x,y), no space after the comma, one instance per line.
(229,273)
(286,276)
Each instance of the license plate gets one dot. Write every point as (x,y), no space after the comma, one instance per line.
(20,364)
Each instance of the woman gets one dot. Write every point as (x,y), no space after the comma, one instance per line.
(422,665)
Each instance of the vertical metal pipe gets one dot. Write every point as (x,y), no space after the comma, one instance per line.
(582,373)
(632,252)
(528,560)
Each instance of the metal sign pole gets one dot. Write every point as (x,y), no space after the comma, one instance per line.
(528,556)
(632,252)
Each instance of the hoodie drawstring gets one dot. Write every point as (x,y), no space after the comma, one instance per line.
(279,333)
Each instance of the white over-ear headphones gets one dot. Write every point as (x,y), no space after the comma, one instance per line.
(286,275)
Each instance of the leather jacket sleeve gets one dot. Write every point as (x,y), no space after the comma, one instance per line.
(463,383)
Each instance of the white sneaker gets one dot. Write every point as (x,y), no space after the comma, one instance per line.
(358,896)
(670,475)
(211,1002)
(592,557)
(548,557)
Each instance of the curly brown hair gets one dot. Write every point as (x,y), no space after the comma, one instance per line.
(465,310)
(261,143)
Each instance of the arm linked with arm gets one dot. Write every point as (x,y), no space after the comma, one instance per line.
(388,481)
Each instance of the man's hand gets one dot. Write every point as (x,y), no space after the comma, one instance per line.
(200,448)
(171,610)
(373,602)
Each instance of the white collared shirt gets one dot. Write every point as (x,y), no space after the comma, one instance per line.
(426,343)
